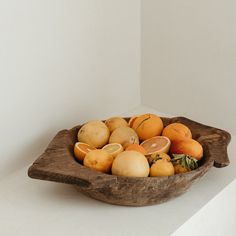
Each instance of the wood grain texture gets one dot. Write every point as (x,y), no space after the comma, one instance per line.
(58,164)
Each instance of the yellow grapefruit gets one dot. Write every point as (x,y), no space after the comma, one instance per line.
(115,122)
(124,136)
(130,163)
(95,133)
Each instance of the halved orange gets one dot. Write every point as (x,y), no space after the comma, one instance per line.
(136,147)
(113,149)
(157,144)
(81,149)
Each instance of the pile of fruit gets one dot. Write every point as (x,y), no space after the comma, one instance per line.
(141,147)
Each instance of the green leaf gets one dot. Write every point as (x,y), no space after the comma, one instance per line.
(186,161)
(178,156)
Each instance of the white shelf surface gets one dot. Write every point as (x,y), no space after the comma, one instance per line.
(216,218)
(34,207)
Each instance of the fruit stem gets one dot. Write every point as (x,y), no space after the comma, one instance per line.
(142,122)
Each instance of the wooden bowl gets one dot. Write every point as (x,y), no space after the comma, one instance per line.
(58,164)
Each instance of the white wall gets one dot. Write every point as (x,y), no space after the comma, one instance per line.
(65,62)
(62,63)
(189,59)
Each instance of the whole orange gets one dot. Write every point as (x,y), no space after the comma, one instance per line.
(99,160)
(176,131)
(162,167)
(147,126)
(187,146)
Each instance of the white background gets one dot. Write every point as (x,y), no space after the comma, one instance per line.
(62,63)
(189,59)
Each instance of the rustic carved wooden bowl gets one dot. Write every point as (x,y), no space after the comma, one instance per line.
(58,164)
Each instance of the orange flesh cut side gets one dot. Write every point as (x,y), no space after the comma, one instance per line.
(151,147)
(85,148)
(111,148)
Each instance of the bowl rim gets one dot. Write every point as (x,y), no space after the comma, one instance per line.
(47,168)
